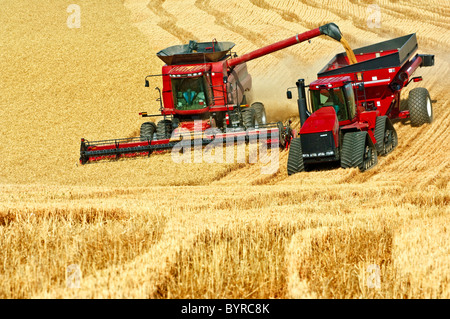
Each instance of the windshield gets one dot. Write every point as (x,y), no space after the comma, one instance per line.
(190,93)
(330,97)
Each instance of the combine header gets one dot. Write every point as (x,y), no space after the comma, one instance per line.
(352,105)
(203,97)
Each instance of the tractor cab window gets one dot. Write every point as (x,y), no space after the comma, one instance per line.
(350,98)
(330,97)
(191,93)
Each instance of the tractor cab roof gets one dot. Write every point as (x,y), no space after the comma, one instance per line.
(329,83)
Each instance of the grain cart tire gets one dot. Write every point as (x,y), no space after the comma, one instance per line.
(248,117)
(295,159)
(164,129)
(147,130)
(358,151)
(420,107)
(260,113)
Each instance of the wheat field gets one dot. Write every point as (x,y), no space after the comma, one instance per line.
(152,228)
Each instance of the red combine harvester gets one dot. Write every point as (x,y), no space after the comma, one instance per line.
(352,105)
(204,88)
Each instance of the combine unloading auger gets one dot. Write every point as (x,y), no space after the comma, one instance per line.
(204,100)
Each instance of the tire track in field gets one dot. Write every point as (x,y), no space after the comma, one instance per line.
(435,16)
(359,21)
(169,21)
(421,153)
(284,14)
(224,20)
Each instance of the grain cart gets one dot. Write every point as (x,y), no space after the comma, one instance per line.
(204,90)
(351,106)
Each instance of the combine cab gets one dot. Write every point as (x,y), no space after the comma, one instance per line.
(352,105)
(204,96)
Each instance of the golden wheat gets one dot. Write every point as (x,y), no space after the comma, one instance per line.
(152,228)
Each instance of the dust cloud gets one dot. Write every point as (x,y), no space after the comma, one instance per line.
(270,86)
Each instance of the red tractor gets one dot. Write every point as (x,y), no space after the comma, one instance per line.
(204,86)
(351,106)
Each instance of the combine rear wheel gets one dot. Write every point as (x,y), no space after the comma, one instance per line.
(420,107)
(164,129)
(295,159)
(260,113)
(147,131)
(385,135)
(358,151)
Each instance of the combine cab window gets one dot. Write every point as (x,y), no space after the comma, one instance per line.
(191,93)
(330,97)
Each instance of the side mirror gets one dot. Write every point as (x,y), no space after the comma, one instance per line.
(289,95)
(147,84)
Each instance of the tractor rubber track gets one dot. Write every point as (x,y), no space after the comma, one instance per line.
(295,159)
(354,151)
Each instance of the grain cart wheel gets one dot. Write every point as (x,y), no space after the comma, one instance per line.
(295,159)
(147,131)
(248,117)
(358,151)
(260,114)
(163,129)
(385,135)
(420,107)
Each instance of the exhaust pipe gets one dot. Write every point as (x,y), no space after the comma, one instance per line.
(301,102)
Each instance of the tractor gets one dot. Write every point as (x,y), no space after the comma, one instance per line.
(352,106)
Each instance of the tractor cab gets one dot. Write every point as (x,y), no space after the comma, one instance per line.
(335,92)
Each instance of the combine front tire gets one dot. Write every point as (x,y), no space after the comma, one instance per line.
(420,107)
(147,131)
(358,151)
(260,113)
(248,117)
(164,129)
(295,159)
